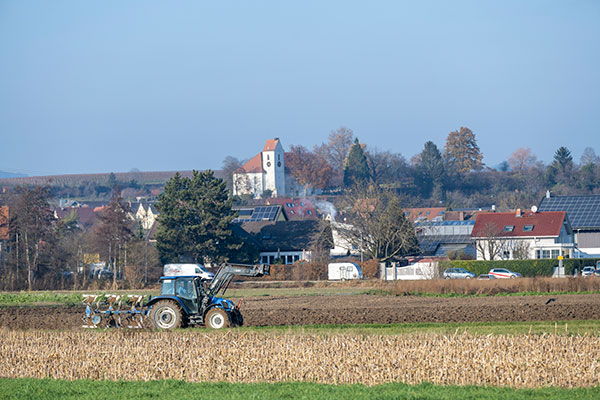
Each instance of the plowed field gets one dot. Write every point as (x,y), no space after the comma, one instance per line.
(355,309)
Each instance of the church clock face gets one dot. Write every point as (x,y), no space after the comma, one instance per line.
(279,163)
(268,163)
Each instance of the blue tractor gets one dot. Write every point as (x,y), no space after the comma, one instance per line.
(191,300)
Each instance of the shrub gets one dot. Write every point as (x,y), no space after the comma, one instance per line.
(537,267)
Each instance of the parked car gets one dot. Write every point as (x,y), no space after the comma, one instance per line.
(458,273)
(501,273)
(588,271)
(486,276)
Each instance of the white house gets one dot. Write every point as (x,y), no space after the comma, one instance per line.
(145,214)
(518,235)
(267,171)
(264,171)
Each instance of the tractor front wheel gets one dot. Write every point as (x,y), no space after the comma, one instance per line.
(166,315)
(217,318)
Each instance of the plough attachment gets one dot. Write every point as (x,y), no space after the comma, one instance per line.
(114,311)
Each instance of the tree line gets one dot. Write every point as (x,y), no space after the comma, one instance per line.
(452,176)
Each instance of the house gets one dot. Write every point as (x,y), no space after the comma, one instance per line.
(259,213)
(518,235)
(295,209)
(264,172)
(144,213)
(288,241)
(85,216)
(584,214)
(439,238)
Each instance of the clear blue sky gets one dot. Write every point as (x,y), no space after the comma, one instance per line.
(170,85)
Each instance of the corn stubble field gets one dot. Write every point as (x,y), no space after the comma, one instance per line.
(520,361)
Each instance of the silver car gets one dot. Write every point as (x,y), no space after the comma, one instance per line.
(458,273)
(500,273)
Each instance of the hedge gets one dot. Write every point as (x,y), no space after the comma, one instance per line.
(538,267)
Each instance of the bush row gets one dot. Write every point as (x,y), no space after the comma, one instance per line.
(538,267)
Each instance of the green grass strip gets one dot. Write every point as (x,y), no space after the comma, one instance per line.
(85,389)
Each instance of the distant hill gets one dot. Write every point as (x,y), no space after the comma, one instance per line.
(5,175)
(156,178)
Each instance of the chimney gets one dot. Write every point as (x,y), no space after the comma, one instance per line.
(518,214)
(547,194)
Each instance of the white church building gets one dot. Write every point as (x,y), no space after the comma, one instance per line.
(266,171)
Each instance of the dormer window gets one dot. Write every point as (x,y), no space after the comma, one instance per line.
(509,228)
(528,228)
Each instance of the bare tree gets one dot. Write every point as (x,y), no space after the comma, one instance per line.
(309,169)
(490,243)
(31,226)
(113,234)
(522,159)
(335,152)
(229,166)
(520,250)
(376,224)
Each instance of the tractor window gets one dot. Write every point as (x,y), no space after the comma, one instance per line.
(185,289)
(168,287)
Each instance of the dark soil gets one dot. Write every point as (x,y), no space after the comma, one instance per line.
(354,309)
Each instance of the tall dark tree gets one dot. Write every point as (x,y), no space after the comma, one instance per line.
(356,169)
(563,159)
(430,169)
(195,218)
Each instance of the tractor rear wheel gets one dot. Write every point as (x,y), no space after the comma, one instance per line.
(166,315)
(217,318)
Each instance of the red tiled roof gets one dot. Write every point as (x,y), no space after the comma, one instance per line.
(271,144)
(545,223)
(85,215)
(4,223)
(253,165)
(424,213)
(295,209)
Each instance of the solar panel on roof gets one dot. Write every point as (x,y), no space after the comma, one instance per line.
(582,211)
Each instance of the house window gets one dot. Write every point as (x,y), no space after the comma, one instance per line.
(508,228)
(545,253)
(506,255)
(538,254)
(555,253)
(527,228)
(309,212)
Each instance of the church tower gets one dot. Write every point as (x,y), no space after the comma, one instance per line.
(273,165)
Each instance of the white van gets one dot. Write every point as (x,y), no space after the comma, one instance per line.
(187,270)
(344,271)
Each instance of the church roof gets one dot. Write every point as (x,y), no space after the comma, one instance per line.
(271,144)
(253,165)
